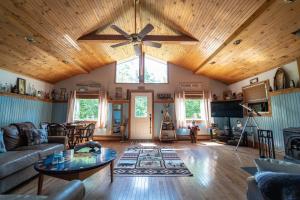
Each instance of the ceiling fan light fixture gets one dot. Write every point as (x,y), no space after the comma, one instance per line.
(237,42)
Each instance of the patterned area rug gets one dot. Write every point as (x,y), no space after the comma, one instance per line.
(150,161)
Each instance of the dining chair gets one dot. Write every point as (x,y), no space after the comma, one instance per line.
(86,133)
(55,129)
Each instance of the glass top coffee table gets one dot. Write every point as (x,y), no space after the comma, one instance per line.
(70,165)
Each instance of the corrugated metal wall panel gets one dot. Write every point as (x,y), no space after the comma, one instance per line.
(14,109)
(285,113)
(59,112)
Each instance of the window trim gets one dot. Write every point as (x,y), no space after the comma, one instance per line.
(126,60)
(141,69)
(86,120)
(194,119)
(167,63)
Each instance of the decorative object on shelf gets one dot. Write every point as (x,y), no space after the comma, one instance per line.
(215,97)
(88,86)
(254,80)
(227,95)
(164,96)
(279,79)
(292,84)
(119,92)
(15,89)
(270,89)
(234,95)
(240,95)
(63,93)
(141,88)
(21,84)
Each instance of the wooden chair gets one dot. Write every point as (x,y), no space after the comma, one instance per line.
(86,133)
(55,129)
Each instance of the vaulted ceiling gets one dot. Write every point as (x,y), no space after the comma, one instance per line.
(52,53)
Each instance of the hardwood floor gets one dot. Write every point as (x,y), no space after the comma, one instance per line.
(216,169)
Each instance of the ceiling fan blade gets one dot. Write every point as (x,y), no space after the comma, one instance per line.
(147,29)
(120,44)
(152,44)
(119,30)
(137,49)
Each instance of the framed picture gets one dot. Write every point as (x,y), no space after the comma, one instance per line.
(21,85)
(254,80)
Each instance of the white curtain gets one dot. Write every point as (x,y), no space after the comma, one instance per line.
(180,110)
(206,108)
(103,109)
(71,106)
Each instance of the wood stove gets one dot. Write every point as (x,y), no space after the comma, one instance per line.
(292,144)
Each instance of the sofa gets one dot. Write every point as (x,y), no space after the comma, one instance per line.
(74,190)
(17,163)
(276,179)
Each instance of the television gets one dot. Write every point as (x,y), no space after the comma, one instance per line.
(227,109)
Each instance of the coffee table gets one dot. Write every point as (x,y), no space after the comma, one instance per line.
(76,165)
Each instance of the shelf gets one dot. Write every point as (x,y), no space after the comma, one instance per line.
(284,91)
(22,96)
(164,101)
(118,101)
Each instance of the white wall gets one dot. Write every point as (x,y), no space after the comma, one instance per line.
(106,76)
(291,70)
(11,79)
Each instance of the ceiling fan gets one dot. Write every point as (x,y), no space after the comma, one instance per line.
(136,38)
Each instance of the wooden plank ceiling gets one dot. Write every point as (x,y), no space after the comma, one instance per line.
(264,27)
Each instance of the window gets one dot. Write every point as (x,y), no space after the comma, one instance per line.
(141,106)
(86,109)
(128,71)
(156,71)
(193,109)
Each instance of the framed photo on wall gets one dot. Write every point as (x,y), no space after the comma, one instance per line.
(21,85)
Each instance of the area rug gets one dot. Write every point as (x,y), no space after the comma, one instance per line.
(250,170)
(150,161)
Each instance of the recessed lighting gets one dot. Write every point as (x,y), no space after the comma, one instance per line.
(237,42)
(297,33)
(29,38)
(64,61)
(289,1)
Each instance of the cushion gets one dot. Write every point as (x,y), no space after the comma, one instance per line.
(2,145)
(272,165)
(36,136)
(279,186)
(12,138)
(13,161)
(43,149)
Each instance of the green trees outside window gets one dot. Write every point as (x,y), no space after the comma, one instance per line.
(193,108)
(86,109)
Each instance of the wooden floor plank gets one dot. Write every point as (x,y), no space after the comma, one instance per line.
(216,169)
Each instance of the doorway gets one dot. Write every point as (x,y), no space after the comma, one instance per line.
(141,115)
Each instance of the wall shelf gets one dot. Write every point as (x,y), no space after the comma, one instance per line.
(284,91)
(118,101)
(22,96)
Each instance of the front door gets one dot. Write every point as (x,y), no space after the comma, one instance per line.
(141,117)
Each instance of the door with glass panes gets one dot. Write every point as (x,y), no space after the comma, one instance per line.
(141,106)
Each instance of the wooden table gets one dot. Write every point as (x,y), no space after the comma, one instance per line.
(77,165)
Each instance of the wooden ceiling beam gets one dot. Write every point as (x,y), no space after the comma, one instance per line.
(254,16)
(111,38)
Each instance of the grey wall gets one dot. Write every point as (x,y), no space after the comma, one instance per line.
(285,113)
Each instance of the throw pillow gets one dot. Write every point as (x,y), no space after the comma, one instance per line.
(2,145)
(36,136)
(272,165)
(12,138)
(43,135)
